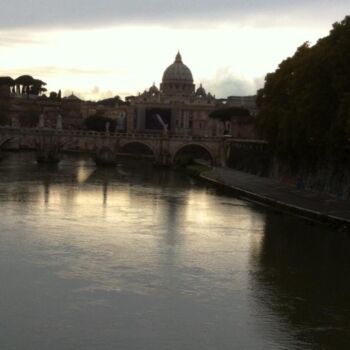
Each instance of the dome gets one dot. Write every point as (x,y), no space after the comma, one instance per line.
(177,79)
(72,97)
(177,72)
(201,91)
(153,89)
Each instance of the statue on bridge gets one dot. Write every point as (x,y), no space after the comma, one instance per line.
(107,126)
(165,130)
(41,120)
(59,122)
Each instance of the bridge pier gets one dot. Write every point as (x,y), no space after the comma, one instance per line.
(163,159)
(105,157)
(48,149)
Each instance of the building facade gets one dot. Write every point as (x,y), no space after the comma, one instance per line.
(176,107)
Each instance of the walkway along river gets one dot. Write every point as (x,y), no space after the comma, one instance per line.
(318,206)
(140,258)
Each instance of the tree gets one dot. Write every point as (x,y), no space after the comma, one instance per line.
(303,104)
(26,84)
(6,81)
(111,102)
(24,81)
(225,114)
(98,123)
(53,95)
(38,87)
(228,113)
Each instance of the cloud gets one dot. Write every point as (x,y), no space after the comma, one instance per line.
(57,71)
(225,83)
(14,38)
(54,71)
(87,13)
(94,94)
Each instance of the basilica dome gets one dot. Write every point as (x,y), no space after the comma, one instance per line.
(177,71)
(177,79)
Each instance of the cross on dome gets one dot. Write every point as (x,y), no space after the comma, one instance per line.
(178,58)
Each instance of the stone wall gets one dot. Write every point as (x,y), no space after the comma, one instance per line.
(257,158)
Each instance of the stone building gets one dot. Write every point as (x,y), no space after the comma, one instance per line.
(248,102)
(176,107)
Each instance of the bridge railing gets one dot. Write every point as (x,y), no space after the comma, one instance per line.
(5,130)
(86,133)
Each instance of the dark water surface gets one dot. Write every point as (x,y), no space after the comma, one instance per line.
(138,258)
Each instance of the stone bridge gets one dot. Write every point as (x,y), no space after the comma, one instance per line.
(163,149)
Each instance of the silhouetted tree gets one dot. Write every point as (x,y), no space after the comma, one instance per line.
(225,114)
(23,83)
(98,123)
(8,81)
(304,104)
(228,113)
(111,102)
(53,95)
(38,87)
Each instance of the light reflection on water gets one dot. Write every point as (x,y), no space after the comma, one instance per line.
(137,258)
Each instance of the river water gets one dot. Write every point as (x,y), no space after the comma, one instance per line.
(142,258)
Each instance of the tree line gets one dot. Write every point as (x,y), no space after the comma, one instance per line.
(25,84)
(304,106)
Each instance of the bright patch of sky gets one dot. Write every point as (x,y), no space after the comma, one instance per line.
(100,61)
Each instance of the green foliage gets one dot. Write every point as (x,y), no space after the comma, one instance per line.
(6,81)
(24,84)
(304,105)
(225,114)
(25,80)
(98,123)
(111,102)
(53,95)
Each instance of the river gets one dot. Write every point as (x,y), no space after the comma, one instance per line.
(142,258)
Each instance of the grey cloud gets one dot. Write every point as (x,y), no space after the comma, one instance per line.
(227,84)
(55,71)
(96,93)
(87,13)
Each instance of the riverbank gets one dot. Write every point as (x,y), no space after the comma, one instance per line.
(308,204)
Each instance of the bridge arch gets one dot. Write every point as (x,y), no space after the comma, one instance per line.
(193,151)
(138,148)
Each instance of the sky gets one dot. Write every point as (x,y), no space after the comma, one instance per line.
(100,49)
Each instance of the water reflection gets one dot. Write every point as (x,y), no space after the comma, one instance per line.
(302,277)
(134,258)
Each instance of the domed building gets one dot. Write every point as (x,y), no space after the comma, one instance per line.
(176,106)
(201,91)
(177,79)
